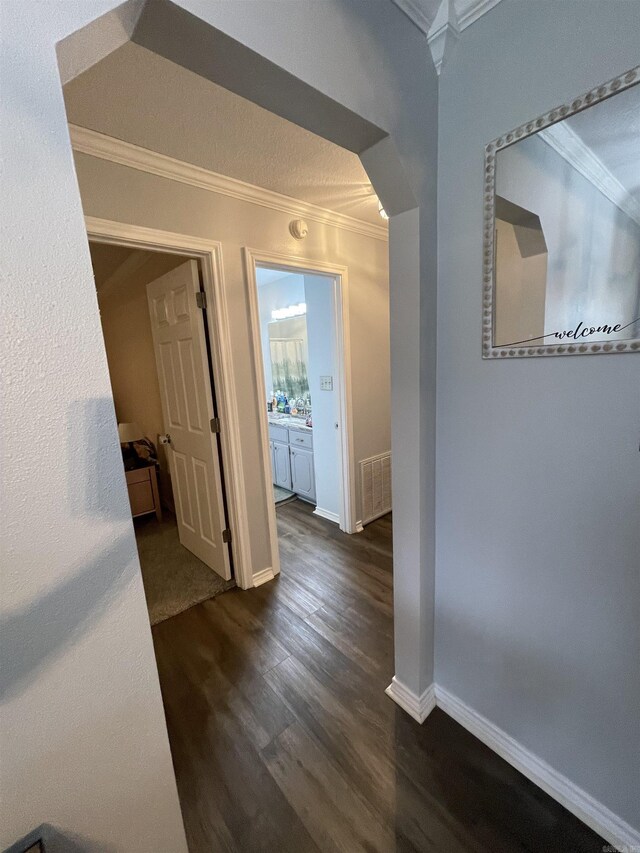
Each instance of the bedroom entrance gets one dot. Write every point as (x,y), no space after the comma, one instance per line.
(160,365)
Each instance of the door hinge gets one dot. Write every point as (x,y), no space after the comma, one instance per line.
(226,535)
(201,299)
(214,423)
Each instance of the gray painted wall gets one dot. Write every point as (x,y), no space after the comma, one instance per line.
(538,534)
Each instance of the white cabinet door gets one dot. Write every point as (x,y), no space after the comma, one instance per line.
(281,465)
(273,464)
(302,474)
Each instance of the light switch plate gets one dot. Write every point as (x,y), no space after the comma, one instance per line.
(326,383)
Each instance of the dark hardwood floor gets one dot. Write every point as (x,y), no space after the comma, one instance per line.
(282,736)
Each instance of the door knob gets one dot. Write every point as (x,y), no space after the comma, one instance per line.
(164,439)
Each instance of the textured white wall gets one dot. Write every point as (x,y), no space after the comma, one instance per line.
(84,742)
(538,596)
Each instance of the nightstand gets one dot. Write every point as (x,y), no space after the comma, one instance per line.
(142,484)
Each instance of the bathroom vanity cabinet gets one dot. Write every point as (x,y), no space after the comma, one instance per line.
(292,460)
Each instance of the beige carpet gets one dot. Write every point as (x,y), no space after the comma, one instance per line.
(174,579)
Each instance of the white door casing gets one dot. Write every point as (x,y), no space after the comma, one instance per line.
(187,408)
(209,255)
(308,266)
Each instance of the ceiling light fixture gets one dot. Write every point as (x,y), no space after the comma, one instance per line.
(383,213)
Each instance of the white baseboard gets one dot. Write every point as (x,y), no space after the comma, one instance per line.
(263,576)
(360,525)
(419,707)
(325,513)
(375,517)
(594,814)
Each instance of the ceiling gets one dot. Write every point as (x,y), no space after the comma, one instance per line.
(611,131)
(421,12)
(106,259)
(140,97)
(117,268)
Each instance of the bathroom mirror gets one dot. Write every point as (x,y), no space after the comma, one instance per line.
(289,350)
(562,229)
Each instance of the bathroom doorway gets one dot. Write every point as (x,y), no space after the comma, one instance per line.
(300,335)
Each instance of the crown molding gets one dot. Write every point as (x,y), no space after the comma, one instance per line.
(452,18)
(444,33)
(467,12)
(470,11)
(566,142)
(95,144)
(416,14)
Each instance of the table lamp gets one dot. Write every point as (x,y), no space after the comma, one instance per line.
(128,434)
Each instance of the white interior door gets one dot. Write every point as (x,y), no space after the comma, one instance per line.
(187,407)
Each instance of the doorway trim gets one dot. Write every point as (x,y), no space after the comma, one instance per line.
(340,274)
(209,253)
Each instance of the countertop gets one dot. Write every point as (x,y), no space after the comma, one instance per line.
(289,421)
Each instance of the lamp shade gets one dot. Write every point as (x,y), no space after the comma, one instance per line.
(129,432)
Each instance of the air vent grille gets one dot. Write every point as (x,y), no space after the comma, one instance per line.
(375,481)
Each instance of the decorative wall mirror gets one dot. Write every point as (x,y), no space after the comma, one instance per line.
(562,229)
